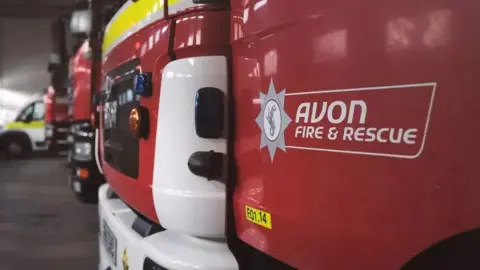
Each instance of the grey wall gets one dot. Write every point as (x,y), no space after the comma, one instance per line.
(25,46)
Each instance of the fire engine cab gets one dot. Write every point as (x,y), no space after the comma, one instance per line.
(84,77)
(267,134)
(56,100)
(164,207)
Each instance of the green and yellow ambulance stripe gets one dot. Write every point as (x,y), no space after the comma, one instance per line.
(22,125)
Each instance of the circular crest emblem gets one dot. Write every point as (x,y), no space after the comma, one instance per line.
(272,119)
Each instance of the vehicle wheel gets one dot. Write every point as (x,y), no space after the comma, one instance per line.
(88,198)
(457,252)
(88,195)
(53,151)
(16,148)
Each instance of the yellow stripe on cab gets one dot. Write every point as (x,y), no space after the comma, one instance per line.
(129,16)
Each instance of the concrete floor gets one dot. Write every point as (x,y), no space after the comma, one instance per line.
(42,225)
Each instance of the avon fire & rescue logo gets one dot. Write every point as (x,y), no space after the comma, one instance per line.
(388,121)
(273,120)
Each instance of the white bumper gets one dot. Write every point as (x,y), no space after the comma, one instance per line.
(168,249)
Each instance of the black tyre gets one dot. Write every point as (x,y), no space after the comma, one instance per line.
(459,252)
(17,147)
(53,150)
(87,195)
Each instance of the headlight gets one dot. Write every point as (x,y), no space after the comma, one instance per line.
(82,151)
(48,131)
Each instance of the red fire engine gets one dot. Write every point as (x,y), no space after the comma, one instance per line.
(260,134)
(56,100)
(84,81)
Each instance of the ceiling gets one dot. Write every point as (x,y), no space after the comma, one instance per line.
(35,8)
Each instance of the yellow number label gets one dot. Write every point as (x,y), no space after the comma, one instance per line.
(258,217)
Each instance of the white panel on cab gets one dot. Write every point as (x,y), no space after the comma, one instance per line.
(184,202)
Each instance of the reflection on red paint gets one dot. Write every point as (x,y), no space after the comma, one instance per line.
(330,46)
(270,62)
(438,30)
(399,34)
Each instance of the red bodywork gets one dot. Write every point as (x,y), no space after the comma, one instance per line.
(54,112)
(347,209)
(337,204)
(211,38)
(81,69)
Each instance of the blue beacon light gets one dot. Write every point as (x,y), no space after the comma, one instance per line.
(143,84)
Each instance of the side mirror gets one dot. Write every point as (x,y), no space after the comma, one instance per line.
(81,22)
(88,54)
